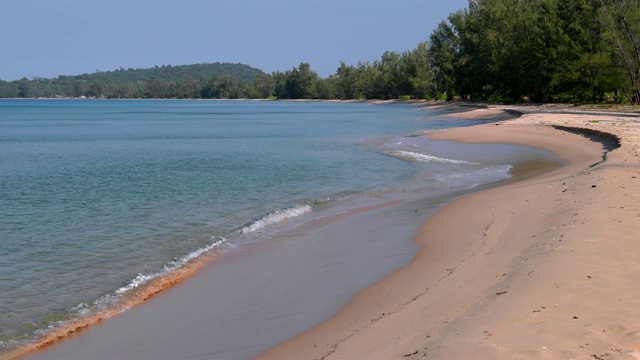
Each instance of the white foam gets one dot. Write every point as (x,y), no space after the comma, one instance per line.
(142,279)
(109,300)
(474,177)
(429,158)
(276,217)
(273,218)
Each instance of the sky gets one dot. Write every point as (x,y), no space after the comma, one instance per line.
(47,38)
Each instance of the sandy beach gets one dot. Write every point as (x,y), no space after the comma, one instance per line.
(543,268)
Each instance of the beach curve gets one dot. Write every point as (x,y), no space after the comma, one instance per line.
(528,269)
(395,302)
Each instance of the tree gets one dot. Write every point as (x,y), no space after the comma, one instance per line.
(175,90)
(300,83)
(501,44)
(209,90)
(345,81)
(227,87)
(8,89)
(621,21)
(264,85)
(538,46)
(366,81)
(417,72)
(469,66)
(191,88)
(24,88)
(280,79)
(155,89)
(389,83)
(590,71)
(444,50)
(325,88)
(96,88)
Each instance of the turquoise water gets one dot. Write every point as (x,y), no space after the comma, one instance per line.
(97,196)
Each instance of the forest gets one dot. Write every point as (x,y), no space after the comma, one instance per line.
(185,81)
(493,50)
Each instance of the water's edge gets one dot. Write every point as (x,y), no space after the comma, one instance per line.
(145,286)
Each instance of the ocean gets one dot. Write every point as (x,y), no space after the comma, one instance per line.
(98,198)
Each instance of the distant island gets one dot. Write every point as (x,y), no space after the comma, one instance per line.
(573,51)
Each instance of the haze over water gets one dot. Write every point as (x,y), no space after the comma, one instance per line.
(99,196)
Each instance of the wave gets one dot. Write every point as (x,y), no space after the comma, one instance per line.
(273,218)
(276,217)
(142,279)
(428,158)
(473,177)
(143,286)
(217,242)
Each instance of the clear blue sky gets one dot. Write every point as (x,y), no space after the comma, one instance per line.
(47,38)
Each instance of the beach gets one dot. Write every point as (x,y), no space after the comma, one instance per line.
(282,232)
(542,268)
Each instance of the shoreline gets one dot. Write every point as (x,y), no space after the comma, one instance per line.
(444,133)
(78,326)
(527,269)
(71,328)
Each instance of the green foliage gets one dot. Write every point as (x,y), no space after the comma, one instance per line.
(395,74)
(263,86)
(345,82)
(495,50)
(416,69)
(543,50)
(225,86)
(444,54)
(621,22)
(8,90)
(182,82)
(326,88)
(389,83)
(300,83)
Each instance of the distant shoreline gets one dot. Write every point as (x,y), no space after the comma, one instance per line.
(456,106)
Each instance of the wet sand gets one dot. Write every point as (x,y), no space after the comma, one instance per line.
(248,300)
(546,267)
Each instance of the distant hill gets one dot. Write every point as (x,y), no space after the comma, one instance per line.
(166,81)
(168,73)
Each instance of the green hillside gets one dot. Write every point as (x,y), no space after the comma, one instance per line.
(166,81)
(168,73)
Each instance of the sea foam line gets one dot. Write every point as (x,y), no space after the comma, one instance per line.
(429,158)
(276,217)
(143,286)
(137,291)
(273,218)
(142,279)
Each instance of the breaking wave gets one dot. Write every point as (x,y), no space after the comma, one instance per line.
(144,286)
(174,265)
(427,158)
(276,217)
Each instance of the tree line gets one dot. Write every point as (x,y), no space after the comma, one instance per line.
(541,50)
(184,81)
(492,50)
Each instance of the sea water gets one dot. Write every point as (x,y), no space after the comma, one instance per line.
(98,197)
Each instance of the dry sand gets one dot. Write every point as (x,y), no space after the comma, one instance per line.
(547,267)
